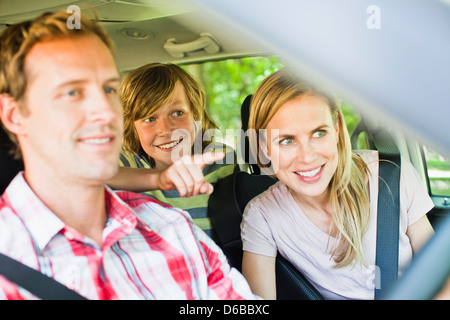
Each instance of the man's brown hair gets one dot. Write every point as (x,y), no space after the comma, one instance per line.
(17,40)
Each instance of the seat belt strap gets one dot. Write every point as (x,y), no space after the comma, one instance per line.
(34,281)
(388,217)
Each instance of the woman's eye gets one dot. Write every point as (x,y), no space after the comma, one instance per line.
(178,113)
(319,133)
(286,141)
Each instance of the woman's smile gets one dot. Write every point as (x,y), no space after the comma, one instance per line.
(310,176)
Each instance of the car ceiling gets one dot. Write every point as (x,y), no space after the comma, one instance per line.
(399,73)
(140,28)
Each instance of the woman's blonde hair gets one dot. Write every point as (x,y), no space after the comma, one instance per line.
(146,89)
(17,40)
(348,186)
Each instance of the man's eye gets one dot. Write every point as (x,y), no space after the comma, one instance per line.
(73,92)
(110,90)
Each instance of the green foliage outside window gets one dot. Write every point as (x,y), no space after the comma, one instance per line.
(438,168)
(228,82)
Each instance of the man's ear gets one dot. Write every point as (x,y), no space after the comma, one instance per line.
(10,114)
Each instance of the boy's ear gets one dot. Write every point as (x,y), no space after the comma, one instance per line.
(10,114)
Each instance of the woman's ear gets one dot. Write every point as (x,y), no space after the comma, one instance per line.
(264,149)
(265,160)
(10,114)
(265,135)
(339,123)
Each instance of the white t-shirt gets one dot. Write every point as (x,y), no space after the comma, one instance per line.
(273,221)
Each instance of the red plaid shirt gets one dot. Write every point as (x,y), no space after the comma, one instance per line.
(149,251)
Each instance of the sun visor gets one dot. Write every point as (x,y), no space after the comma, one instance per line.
(107,10)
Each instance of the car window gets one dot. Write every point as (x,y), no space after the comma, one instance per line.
(438,169)
(228,82)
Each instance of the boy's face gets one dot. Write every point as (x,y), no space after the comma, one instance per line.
(74,120)
(170,132)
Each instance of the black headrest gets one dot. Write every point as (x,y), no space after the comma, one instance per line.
(9,167)
(245,112)
(248,156)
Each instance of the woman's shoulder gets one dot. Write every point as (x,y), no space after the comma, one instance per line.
(368,156)
(371,159)
(273,197)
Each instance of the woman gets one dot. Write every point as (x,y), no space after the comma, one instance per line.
(165,123)
(321,215)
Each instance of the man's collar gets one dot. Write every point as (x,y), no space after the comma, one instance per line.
(42,224)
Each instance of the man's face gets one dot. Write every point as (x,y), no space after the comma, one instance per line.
(74,123)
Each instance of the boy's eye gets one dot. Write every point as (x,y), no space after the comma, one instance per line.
(286,141)
(150,119)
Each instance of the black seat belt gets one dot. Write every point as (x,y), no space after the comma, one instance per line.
(388,215)
(34,281)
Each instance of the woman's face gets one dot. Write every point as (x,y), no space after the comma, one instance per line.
(169,133)
(302,145)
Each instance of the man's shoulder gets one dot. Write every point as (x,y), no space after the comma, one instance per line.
(13,231)
(134,200)
(151,211)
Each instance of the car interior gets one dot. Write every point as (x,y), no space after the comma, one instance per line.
(192,33)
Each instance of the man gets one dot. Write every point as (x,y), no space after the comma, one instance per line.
(59,102)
